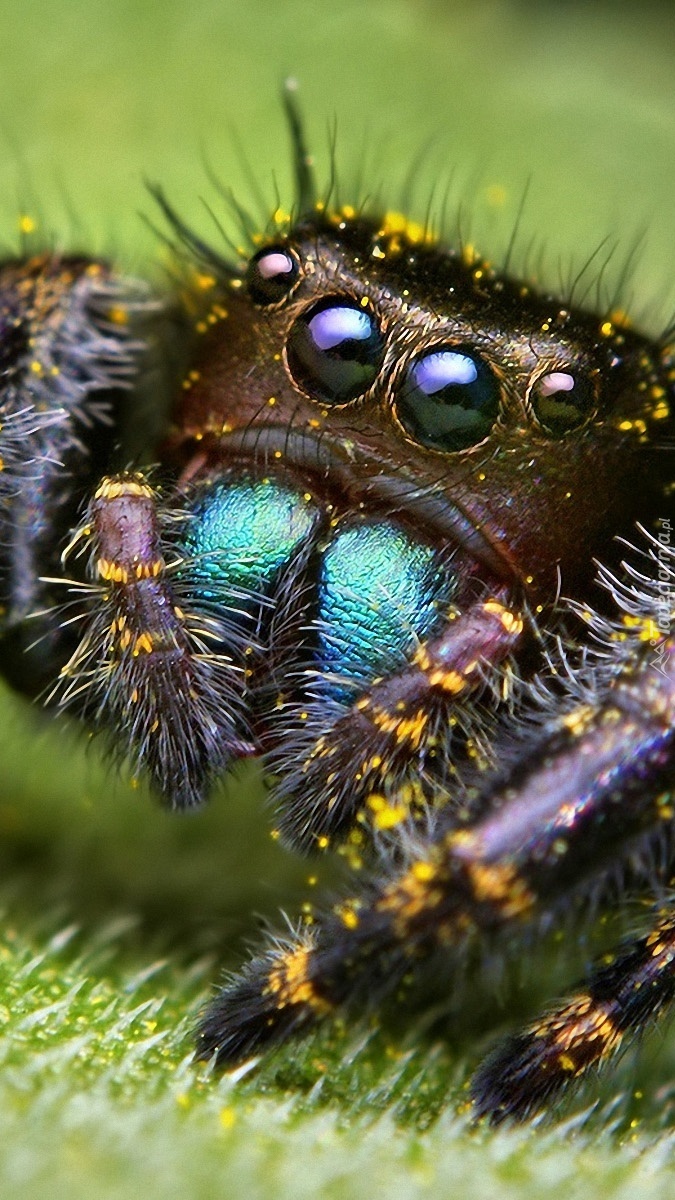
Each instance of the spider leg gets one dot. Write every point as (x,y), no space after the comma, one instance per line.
(621,996)
(596,783)
(379,762)
(143,666)
(68,358)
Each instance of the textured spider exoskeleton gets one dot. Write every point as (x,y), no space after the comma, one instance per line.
(387,462)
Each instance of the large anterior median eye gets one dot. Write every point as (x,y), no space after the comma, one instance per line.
(449,399)
(561,401)
(271,275)
(335,350)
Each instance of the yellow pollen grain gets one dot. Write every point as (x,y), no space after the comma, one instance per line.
(620,317)
(423,871)
(396,223)
(386,815)
(566,1063)
(27,224)
(347,915)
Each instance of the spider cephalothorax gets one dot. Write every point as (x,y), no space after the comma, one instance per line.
(386,463)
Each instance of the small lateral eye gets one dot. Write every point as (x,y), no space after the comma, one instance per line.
(562,401)
(449,399)
(271,275)
(335,350)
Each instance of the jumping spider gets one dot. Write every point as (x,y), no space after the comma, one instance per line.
(386,464)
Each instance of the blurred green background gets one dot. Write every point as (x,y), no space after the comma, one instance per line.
(115,915)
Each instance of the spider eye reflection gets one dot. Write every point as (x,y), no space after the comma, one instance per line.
(271,275)
(449,399)
(562,401)
(335,350)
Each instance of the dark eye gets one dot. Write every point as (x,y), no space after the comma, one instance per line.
(449,399)
(335,350)
(561,401)
(271,275)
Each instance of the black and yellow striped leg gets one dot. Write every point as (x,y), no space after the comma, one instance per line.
(598,781)
(381,761)
(527,1071)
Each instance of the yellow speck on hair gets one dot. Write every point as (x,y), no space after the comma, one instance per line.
(386,815)
(227,1116)
(347,914)
(27,224)
(396,223)
(423,871)
(619,317)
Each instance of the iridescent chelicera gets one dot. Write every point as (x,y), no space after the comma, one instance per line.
(386,463)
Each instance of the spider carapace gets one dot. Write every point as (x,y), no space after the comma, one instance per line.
(387,463)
